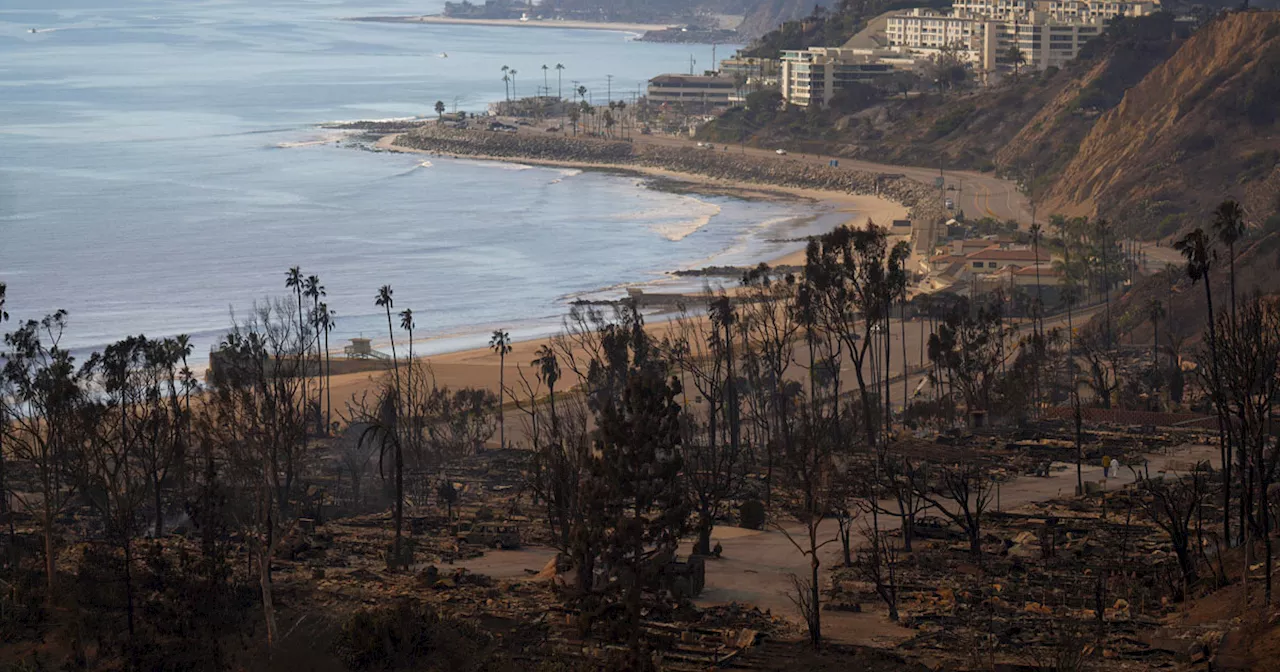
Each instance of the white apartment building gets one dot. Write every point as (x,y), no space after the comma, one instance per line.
(1094,11)
(815,75)
(927,29)
(992,9)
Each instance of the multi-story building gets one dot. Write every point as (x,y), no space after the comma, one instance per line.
(754,71)
(815,75)
(1092,11)
(1044,43)
(927,29)
(992,9)
(692,90)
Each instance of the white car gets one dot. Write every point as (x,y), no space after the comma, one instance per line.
(780,152)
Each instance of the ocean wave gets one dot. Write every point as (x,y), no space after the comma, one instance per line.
(301,143)
(678,231)
(500,165)
(676,220)
(313,141)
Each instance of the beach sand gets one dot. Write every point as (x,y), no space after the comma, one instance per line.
(479,367)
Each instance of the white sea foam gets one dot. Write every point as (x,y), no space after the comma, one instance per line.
(501,165)
(678,221)
(677,231)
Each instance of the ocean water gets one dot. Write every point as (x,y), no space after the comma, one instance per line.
(161,166)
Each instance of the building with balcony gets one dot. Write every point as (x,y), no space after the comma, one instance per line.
(1044,43)
(816,75)
(698,91)
(927,29)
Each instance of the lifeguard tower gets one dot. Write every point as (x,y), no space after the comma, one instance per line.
(362,348)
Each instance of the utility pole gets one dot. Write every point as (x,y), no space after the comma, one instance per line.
(692,62)
(714,62)
(609,88)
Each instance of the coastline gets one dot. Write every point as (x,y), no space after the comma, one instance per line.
(858,206)
(517,23)
(477,366)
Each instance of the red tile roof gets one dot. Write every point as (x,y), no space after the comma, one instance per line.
(996,254)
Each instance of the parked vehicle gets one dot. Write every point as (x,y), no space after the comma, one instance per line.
(780,152)
(491,535)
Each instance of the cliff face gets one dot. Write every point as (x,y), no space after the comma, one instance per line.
(766,15)
(1197,129)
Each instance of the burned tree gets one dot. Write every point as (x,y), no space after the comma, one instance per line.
(1172,503)
(42,422)
(969,347)
(713,453)
(254,416)
(877,564)
(961,491)
(635,499)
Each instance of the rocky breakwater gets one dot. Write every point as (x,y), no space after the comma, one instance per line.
(919,198)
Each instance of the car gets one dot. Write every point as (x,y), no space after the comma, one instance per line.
(780,152)
(951,205)
(491,535)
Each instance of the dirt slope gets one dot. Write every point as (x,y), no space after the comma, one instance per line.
(1200,127)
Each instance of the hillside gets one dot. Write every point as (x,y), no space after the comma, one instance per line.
(1199,128)
(1034,123)
(767,15)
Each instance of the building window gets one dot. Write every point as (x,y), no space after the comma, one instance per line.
(977,264)
(991,264)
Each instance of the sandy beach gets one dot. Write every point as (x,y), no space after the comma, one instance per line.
(479,367)
(518,23)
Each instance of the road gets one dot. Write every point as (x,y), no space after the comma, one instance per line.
(978,194)
(756,566)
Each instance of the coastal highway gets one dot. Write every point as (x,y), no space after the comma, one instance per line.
(978,194)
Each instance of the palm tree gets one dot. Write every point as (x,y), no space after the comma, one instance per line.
(325,321)
(314,290)
(514,95)
(1102,228)
(1155,313)
(506,86)
(582,93)
(549,372)
(294,280)
(1035,247)
(560,81)
(501,344)
(545,87)
(1228,223)
(384,300)
(440,110)
(1197,248)
(407,323)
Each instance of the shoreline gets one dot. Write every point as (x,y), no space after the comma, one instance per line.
(517,23)
(873,207)
(477,366)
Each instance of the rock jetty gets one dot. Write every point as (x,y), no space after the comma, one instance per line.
(919,198)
